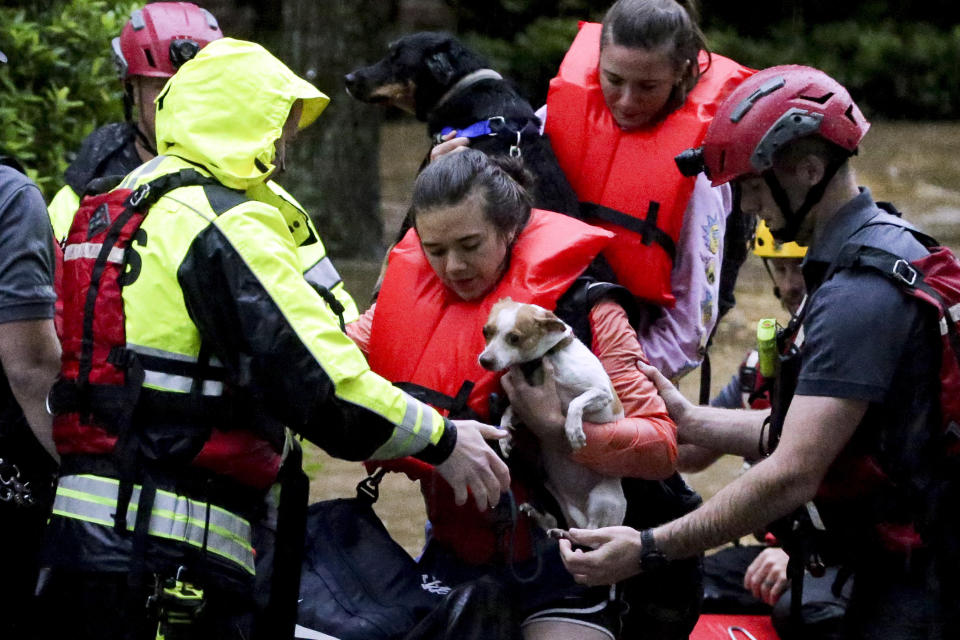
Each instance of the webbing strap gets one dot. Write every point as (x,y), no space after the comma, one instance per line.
(93,499)
(171,371)
(103,256)
(904,275)
(647,229)
(455,405)
(139,201)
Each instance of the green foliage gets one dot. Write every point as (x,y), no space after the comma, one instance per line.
(60,82)
(503,19)
(533,57)
(897,70)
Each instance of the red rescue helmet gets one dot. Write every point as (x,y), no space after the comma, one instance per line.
(162,36)
(769,109)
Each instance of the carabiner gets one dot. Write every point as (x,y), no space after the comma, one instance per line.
(731,630)
(515,148)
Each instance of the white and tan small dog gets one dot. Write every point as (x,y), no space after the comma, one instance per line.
(518,333)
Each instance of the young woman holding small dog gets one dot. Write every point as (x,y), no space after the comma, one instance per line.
(476,240)
(630,94)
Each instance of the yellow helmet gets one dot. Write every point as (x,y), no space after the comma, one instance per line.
(764,246)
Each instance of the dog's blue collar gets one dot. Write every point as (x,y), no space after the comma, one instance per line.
(495,126)
(477,129)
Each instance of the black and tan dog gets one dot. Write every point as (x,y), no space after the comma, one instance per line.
(440,81)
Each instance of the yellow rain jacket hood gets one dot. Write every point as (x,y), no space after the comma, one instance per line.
(226,108)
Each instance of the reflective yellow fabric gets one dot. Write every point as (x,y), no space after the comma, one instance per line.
(175,517)
(222,114)
(61,211)
(313,256)
(229,122)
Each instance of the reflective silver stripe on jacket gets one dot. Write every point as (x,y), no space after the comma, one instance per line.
(142,170)
(93,499)
(954,314)
(91,250)
(412,434)
(172,381)
(323,273)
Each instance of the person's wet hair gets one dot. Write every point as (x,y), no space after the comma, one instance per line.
(656,24)
(501,181)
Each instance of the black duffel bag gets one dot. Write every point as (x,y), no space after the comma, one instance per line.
(357,583)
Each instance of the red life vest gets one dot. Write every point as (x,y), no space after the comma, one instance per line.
(627,182)
(422,333)
(100,380)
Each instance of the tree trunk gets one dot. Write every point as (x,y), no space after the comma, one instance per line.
(335,163)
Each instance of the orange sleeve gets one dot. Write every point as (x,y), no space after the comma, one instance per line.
(359,330)
(643,444)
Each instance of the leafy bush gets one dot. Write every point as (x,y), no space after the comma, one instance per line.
(60,82)
(533,57)
(894,70)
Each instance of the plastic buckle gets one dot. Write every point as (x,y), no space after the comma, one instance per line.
(904,272)
(139,195)
(369,487)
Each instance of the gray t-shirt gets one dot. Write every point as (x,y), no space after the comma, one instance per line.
(26,250)
(26,293)
(868,340)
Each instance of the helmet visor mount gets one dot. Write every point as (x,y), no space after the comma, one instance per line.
(792,125)
(181,50)
(691,162)
(161,36)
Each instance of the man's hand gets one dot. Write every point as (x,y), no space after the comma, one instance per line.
(615,554)
(679,408)
(451,144)
(766,577)
(537,407)
(475,466)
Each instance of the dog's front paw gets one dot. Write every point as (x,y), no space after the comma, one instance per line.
(575,435)
(506,445)
(506,423)
(545,521)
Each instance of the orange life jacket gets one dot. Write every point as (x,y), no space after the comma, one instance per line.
(422,333)
(627,182)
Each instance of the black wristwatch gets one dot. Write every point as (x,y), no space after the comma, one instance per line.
(651,558)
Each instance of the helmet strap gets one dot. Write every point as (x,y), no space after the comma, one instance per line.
(776,289)
(144,140)
(795,218)
(128,103)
